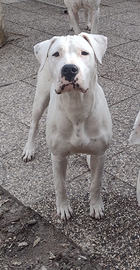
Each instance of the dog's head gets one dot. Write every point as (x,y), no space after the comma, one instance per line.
(71,60)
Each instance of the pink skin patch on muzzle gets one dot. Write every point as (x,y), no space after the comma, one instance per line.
(67,86)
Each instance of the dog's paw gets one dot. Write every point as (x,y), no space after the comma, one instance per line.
(64,211)
(89,27)
(97,209)
(71,27)
(28,153)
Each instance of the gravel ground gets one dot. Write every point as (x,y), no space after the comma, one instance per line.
(28,241)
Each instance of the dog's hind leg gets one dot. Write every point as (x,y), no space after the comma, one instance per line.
(74,18)
(59,172)
(87,19)
(96,203)
(41,101)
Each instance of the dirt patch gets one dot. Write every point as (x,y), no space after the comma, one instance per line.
(28,241)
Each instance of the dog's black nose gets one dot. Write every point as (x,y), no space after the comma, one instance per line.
(69,71)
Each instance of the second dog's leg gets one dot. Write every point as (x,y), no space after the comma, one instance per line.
(94,20)
(138,188)
(59,172)
(87,19)
(96,203)
(74,21)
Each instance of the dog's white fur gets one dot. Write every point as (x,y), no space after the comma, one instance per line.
(78,119)
(91,8)
(135,139)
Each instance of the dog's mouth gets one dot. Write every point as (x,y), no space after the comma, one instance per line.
(69,87)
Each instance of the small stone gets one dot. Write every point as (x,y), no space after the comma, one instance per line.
(23,244)
(43,268)
(16,263)
(83,258)
(32,222)
(36,241)
(52,256)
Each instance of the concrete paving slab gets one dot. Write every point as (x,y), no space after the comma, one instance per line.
(126,111)
(130,51)
(128,31)
(128,17)
(15,64)
(32,81)
(108,3)
(116,92)
(111,8)
(17,100)
(117,186)
(128,171)
(28,43)
(26,182)
(24,15)
(112,38)
(24,28)
(40,19)
(118,21)
(11,1)
(120,69)
(32,6)
(11,130)
(52,27)
(120,139)
(126,6)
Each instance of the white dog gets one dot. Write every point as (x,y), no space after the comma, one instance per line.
(91,14)
(78,119)
(135,139)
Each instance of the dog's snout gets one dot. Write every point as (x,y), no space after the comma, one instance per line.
(69,71)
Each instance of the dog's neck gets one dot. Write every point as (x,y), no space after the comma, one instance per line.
(77,106)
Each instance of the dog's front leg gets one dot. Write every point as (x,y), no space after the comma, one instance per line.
(41,101)
(59,172)
(96,203)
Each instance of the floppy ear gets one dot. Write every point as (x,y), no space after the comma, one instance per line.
(41,51)
(98,43)
(135,134)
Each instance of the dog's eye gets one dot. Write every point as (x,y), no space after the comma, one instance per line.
(56,54)
(84,53)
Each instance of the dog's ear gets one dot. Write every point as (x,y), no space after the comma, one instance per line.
(135,134)
(41,51)
(98,43)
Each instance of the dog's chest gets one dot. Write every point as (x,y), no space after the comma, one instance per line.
(79,136)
